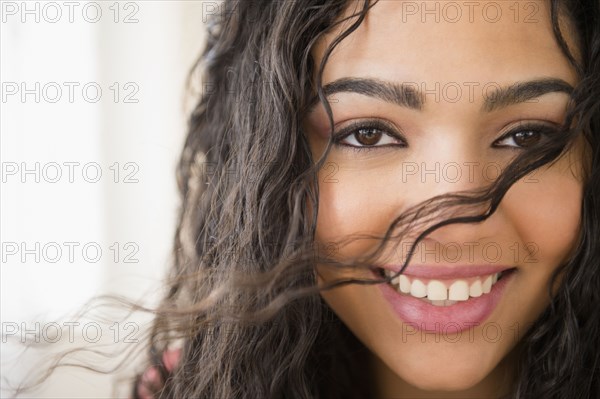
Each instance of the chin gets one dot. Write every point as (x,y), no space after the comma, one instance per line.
(430,383)
(447,377)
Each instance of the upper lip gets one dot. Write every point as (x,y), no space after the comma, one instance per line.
(448,271)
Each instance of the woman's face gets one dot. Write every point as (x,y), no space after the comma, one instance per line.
(444,101)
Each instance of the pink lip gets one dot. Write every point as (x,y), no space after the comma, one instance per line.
(448,319)
(448,272)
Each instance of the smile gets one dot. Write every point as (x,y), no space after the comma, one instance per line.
(444,292)
(458,299)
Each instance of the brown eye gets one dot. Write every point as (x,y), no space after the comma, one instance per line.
(368,136)
(525,136)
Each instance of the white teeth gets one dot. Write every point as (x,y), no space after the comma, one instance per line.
(418,289)
(475,289)
(487,285)
(459,291)
(437,291)
(390,273)
(404,284)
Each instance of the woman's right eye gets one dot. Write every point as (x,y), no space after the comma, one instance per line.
(367,136)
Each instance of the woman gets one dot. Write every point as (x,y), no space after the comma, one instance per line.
(389,199)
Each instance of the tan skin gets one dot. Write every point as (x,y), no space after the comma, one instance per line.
(371,190)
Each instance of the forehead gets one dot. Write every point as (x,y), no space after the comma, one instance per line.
(448,41)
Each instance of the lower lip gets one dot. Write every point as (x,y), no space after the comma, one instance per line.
(445,319)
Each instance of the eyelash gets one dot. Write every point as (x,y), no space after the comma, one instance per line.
(352,129)
(542,129)
(356,126)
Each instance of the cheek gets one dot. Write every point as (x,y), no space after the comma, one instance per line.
(546,212)
(338,200)
(352,205)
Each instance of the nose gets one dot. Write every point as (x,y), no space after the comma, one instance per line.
(454,161)
(448,161)
(455,164)
(466,243)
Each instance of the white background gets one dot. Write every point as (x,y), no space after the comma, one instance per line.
(146,48)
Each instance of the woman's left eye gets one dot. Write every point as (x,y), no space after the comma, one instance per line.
(525,136)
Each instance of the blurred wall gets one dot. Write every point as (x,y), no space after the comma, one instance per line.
(92,123)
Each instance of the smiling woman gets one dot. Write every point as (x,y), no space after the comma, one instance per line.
(380,204)
(414,208)
(446,327)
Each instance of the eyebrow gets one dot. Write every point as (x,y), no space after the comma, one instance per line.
(520,92)
(404,95)
(408,94)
